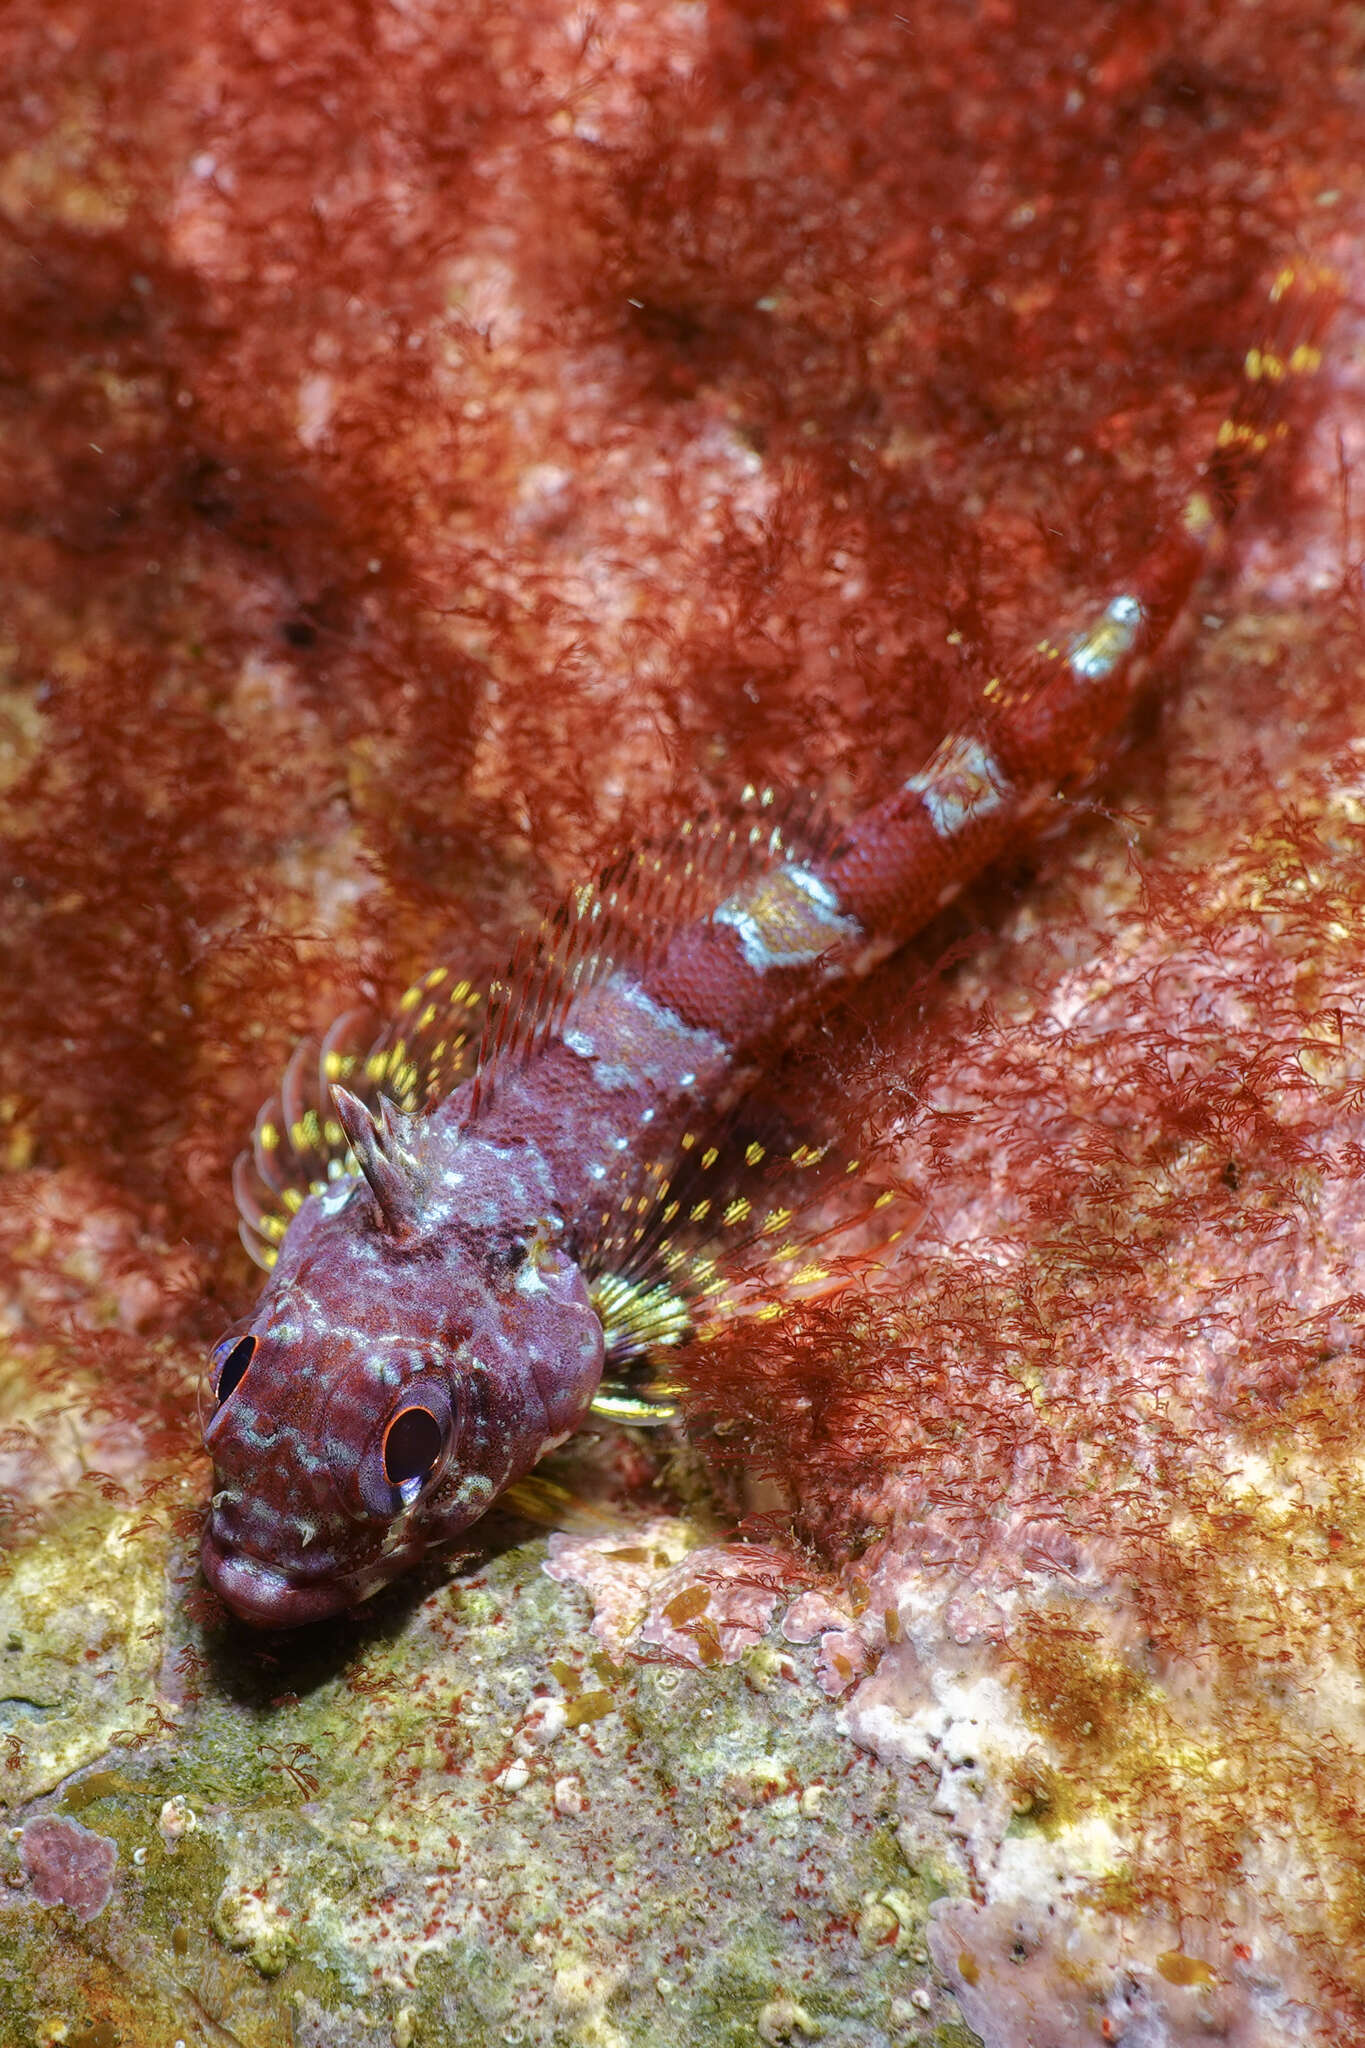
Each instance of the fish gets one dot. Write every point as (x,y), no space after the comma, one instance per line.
(519,1204)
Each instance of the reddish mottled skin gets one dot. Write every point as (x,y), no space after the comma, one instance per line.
(456,1317)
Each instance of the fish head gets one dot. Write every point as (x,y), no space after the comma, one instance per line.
(422,1341)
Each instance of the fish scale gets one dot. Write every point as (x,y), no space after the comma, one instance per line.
(521,1203)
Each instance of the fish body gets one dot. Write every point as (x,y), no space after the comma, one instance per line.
(475,1237)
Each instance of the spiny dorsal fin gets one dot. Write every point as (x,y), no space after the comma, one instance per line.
(299,1144)
(382,1145)
(428,1048)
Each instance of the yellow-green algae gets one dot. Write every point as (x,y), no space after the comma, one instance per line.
(400,1832)
(80,1615)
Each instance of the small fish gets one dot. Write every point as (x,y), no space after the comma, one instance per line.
(510,1210)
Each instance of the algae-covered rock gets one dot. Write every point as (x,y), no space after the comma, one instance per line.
(80,1626)
(463,1822)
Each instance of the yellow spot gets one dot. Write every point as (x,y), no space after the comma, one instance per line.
(709,1158)
(293,1200)
(737,1211)
(427,1018)
(268,1138)
(887,1196)
(274,1228)
(699,1212)
(1237,434)
(1198,518)
(689,1139)
(776,1219)
(993,687)
(671,1211)
(810,1276)
(1284,282)
(337,1065)
(770,1312)
(589,1706)
(688,1604)
(1305,359)
(753,1153)
(1187,1970)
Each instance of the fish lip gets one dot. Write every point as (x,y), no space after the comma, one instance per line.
(262,1596)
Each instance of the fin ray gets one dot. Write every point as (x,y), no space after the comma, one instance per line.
(622,921)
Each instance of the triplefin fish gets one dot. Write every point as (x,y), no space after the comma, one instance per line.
(516,1205)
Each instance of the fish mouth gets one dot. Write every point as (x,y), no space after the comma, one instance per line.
(265,1597)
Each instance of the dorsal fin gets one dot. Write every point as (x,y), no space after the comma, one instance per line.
(428,1048)
(299,1145)
(622,921)
(383,1148)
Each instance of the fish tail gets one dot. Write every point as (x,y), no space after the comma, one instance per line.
(1045,724)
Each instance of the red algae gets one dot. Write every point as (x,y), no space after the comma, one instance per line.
(436,447)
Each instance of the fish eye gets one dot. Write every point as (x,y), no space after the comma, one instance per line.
(413,1442)
(231,1364)
(406,1447)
